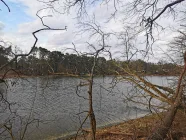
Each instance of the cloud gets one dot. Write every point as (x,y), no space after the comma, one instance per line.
(59,40)
(23,36)
(1,25)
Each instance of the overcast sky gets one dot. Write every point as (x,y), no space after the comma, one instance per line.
(16,26)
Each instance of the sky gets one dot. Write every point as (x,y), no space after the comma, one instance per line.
(17,26)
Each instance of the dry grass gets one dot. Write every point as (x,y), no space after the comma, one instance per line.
(139,129)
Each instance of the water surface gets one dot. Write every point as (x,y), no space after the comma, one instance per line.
(60,106)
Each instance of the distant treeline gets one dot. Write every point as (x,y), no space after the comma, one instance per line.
(44,62)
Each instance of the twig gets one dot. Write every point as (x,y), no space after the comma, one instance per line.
(5,5)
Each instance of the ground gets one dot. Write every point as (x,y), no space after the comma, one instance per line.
(138,129)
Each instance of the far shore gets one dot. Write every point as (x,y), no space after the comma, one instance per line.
(73,75)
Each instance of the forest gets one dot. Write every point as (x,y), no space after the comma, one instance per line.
(45,62)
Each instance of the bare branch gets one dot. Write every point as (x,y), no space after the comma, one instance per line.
(47,28)
(165,8)
(5,5)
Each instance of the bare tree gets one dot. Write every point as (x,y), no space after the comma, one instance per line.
(146,15)
(101,47)
(170,96)
(5,104)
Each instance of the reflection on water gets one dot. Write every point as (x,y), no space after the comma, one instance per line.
(61,106)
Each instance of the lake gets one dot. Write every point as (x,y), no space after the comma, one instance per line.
(60,106)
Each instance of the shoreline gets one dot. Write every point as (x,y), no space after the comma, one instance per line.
(72,134)
(70,75)
(138,128)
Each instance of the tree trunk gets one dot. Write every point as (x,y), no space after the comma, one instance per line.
(91,113)
(162,130)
